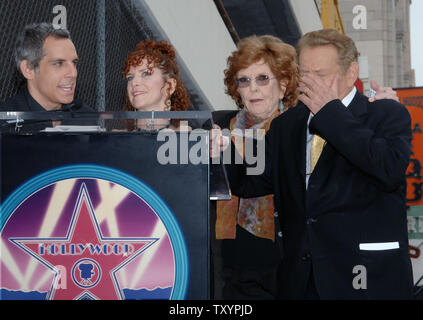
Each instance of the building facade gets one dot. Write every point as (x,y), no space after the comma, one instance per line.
(381,31)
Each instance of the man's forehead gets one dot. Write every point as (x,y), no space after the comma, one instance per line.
(318,58)
(319,51)
(59,48)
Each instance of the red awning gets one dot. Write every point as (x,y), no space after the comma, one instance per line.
(359,85)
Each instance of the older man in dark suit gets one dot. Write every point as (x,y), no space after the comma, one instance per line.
(342,212)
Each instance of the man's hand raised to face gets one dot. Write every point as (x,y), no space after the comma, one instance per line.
(315,93)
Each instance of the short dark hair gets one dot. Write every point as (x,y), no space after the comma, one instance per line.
(30,42)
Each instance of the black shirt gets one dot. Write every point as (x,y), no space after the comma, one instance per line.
(24,102)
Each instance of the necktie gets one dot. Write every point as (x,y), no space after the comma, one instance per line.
(317,144)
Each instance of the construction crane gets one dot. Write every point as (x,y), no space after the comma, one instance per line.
(331,18)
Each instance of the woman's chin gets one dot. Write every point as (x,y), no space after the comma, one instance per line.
(148,108)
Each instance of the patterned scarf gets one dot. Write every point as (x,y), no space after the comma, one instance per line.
(255,215)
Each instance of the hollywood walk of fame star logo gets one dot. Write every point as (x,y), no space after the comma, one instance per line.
(89,259)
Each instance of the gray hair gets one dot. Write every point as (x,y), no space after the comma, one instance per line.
(345,46)
(29,44)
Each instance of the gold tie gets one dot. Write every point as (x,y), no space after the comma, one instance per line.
(317,144)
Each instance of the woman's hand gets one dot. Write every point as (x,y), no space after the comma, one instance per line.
(218,142)
(382,92)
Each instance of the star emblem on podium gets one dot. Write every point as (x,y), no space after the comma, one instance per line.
(88,261)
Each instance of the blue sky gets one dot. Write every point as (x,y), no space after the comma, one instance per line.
(416,25)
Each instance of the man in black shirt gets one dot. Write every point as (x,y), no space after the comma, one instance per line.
(47,59)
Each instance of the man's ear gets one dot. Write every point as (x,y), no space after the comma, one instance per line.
(27,70)
(353,72)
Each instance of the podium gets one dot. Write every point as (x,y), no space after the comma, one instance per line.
(104,215)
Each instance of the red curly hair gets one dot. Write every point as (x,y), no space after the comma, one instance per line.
(280,56)
(160,55)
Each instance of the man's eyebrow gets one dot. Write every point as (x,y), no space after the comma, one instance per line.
(62,60)
(320,70)
(57,59)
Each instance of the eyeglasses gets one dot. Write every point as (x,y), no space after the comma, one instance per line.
(261,80)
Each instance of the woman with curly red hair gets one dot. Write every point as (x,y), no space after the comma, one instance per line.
(154,84)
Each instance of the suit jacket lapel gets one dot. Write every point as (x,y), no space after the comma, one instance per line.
(358,108)
(359,105)
(300,134)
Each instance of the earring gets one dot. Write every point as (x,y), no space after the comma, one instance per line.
(169,104)
(281,107)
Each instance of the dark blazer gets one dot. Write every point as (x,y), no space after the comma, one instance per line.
(24,102)
(355,195)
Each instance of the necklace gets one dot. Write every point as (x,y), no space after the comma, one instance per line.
(150,129)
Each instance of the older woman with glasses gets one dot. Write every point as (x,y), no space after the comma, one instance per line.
(262,78)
